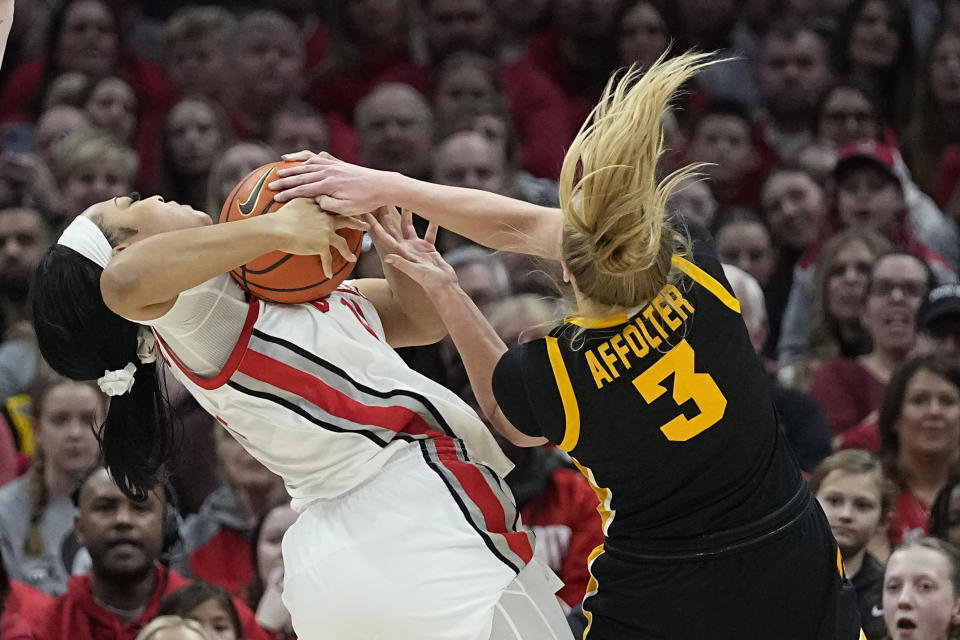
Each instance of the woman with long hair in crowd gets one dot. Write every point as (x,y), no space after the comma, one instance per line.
(690,498)
(919,425)
(35,510)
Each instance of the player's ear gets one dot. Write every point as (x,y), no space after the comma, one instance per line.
(567,275)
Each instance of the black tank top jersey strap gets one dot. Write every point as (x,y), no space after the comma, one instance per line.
(667,412)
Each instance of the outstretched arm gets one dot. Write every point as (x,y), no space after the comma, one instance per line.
(488,218)
(479,345)
(143,280)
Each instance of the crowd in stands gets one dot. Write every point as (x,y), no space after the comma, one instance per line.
(831,137)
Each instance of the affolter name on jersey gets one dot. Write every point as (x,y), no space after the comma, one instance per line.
(645,331)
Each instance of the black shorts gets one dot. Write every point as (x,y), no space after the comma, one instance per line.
(787,587)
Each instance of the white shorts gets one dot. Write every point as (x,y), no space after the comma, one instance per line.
(424,550)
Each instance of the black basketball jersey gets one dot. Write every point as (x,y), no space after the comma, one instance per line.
(667,412)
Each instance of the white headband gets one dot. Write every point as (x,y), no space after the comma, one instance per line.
(86,238)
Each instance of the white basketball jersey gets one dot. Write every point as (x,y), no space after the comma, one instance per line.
(314,392)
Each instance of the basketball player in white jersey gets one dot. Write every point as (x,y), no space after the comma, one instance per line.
(406,528)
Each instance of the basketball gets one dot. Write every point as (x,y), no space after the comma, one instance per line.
(278,276)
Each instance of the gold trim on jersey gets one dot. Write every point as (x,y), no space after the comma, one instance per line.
(606,517)
(597,323)
(571,410)
(708,282)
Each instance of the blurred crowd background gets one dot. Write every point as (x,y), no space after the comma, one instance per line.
(832,136)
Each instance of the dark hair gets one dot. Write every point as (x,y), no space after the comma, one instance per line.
(896,83)
(80,337)
(853,84)
(258,584)
(736,215)
(468,112)
(667,11)
(727,108)
(789,29)
(185,599)
(940,510)
(931,277)
(892,406)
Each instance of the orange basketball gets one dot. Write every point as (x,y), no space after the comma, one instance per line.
(279,276)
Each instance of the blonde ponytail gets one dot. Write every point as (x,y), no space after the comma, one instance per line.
(617,241)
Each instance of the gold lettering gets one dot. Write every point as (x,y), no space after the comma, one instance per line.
(652,341)
(608,358)
(600,374)
(679,302)
(648,314)
(632,335)
(665,311)
(617,343)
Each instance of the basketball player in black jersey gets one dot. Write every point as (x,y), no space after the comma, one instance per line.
(653,387)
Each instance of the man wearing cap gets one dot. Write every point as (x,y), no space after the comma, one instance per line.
(938,322)
(869,179)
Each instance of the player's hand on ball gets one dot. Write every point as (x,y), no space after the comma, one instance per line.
(309,230)
(337,186)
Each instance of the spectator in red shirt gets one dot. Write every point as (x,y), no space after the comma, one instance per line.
(23,609)
(579,51)
(371,39)
(848,389)
(266,590)
(217,538)
(919,427)
(127,584)
(544,121)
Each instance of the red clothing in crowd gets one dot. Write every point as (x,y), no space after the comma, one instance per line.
(155,95)
(910,518)
(340,90)
(540,111)
(76,614)
(865,435)
(224,560)
(847,393)
(31,606)
(565,519)
(15,628)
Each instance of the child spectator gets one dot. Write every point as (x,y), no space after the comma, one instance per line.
(857,500)
(921,590)
(207,604)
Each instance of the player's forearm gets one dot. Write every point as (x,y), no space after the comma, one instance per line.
(155,270)
(480,349)
(416,306)
(487,218)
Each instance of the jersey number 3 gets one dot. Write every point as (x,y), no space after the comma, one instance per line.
(687,385)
